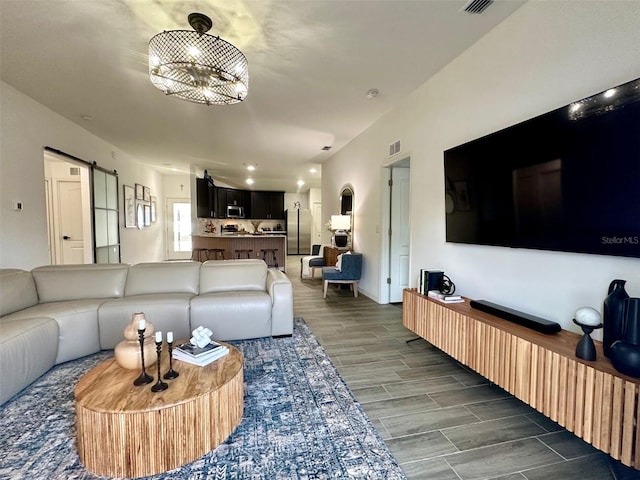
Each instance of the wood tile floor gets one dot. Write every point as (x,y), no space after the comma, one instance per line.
(440,420)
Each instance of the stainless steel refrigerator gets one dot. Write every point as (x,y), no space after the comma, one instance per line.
(298,232)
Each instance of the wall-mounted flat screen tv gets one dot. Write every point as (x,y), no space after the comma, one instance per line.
(568,180)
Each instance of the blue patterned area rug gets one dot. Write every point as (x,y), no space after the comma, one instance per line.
(300,422)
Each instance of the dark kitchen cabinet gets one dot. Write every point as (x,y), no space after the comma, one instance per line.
(220,202)
(237,198)
(276,205)
(212,202)
(205,199)
(267,205)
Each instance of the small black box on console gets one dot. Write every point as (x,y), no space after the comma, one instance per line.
(430,280)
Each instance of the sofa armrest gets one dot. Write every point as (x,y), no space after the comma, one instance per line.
(17,290)
(281,293)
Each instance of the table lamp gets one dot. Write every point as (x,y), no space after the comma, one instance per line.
(341,224)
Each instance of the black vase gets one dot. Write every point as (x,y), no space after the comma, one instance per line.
(625,353)
(613,314)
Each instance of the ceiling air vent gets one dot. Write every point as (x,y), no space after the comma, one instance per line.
(394,148)
(74,171)
(476,6)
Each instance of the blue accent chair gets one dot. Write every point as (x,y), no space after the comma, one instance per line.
(350,271)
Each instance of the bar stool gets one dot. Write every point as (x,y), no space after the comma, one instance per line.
(215,253)
(239,253)
(198,253)
(272,251)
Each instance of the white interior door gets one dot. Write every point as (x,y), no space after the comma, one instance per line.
(70,234)
(178,228)
(399,234)
(68,207)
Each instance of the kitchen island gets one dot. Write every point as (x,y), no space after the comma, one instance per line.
(232,244)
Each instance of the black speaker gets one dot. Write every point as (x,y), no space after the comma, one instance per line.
(430,280)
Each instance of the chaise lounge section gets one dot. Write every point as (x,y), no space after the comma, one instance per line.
(58,313)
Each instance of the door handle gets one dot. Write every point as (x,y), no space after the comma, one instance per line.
(66,237)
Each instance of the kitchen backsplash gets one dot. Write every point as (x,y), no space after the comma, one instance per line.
(210,225)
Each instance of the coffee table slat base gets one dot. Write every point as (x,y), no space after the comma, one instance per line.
(137,443)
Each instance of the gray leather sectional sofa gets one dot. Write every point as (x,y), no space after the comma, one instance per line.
(58,313)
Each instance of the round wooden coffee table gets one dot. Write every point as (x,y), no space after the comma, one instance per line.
(129,431)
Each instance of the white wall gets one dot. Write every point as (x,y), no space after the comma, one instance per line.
(28,127)
(290,200)
(544,56)
(176,186)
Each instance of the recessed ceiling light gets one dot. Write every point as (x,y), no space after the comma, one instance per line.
(300,183)
(312,170)
(373,93)
(250,166)
(249,181)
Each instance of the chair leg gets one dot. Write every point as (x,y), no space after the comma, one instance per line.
(355,289)
(326,285)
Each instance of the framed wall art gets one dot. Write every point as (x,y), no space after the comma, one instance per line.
(129,204)
(147,215)
(139,192)
(146,194)
(140,215)
(154,206)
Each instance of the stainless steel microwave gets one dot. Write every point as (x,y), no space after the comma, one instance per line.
(234,211)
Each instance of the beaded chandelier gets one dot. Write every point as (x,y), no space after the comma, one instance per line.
(195,66)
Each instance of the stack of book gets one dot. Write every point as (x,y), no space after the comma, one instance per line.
(199,356)
(441,297)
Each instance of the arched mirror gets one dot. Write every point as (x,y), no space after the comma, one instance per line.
(346,208)
(346,200)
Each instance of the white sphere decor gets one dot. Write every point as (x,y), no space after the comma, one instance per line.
(588,316)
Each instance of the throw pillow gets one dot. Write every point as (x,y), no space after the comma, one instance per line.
(339,263)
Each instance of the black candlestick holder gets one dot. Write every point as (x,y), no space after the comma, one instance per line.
(160,385)
(171,374)
(586,350)
(144,378)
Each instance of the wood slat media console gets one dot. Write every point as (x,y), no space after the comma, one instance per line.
(591,399)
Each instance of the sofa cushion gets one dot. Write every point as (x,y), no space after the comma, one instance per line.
(229,275)
(163,277)
(77,325)
(28,348)
(56,283)
(17,290)
(233,315)
(168,312)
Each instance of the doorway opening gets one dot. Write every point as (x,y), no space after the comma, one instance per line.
(68,209)
(178,228)
(398,225)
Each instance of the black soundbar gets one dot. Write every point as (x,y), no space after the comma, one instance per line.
(524,319)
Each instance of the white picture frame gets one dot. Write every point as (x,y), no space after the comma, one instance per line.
(129,206)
